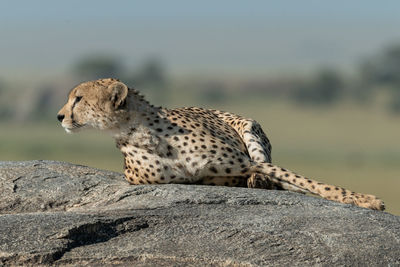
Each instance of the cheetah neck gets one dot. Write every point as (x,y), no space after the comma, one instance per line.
(140,123)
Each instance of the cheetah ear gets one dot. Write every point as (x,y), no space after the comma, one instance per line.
(119,92)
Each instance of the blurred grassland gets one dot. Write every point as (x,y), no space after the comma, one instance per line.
(352,146)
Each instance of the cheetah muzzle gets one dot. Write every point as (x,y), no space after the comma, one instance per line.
(188,145)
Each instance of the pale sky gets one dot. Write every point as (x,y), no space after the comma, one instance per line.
(251,37)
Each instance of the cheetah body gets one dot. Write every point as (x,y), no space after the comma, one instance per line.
(188,145)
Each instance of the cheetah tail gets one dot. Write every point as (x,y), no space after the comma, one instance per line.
(294,182)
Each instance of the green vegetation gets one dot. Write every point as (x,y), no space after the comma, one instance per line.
(347,145)
(339,128)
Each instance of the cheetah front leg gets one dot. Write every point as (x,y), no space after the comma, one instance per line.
(232,181)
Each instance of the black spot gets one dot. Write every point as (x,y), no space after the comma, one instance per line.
(213,169)
(327,188)
(227,170)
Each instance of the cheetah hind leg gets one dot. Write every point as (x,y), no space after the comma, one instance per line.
(258,180)
(326,191)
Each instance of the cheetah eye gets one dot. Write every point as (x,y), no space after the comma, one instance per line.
(77,99)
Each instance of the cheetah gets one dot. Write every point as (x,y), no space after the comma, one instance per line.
(188,145)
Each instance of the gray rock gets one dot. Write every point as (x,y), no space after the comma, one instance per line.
(55,213)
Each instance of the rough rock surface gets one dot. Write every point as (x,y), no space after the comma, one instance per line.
(54,213)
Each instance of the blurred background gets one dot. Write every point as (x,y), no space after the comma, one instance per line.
(322,78)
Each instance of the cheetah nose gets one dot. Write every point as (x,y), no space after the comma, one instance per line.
(60,117)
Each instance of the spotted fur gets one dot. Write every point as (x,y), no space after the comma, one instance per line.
(188,145)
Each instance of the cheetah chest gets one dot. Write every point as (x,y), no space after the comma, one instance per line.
(177,153)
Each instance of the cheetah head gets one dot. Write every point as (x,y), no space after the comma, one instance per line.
(96,104)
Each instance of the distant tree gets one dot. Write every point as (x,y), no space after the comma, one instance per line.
(383,72)
(6,113)
(383,69)
(42,108)
(326,88)
(213,92)
(394,104)
(151,77)
(387,69)
(98,66)
(151,73)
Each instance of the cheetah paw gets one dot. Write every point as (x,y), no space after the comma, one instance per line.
(257,180)
(365,201)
